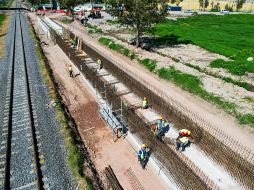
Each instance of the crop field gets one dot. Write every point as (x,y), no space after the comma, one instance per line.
(228,35)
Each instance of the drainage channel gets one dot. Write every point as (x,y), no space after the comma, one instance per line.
(165,153)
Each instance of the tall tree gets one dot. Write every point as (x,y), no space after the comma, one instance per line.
(239,4)
(70,4)
(138,14)
(203,4)
(177,2)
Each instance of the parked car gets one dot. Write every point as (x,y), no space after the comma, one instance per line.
(188,11)
(95,15)
(224,11)
(146,42)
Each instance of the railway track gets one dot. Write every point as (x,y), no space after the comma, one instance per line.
(20,162)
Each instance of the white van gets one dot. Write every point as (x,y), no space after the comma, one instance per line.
(224,11)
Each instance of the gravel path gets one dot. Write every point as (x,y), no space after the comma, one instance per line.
(52,148)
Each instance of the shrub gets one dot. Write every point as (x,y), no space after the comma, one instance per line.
(98,30)
(246,119)
(117,47)
(148,63)
(194,85)
(105,41)
(90,31)
(235,67)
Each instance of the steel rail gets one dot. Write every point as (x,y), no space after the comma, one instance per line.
(12,99)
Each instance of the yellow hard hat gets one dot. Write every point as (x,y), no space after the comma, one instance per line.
(144,98)
(143,145)
(188,132)
(160,117)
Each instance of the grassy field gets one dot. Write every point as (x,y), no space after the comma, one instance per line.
(228,35)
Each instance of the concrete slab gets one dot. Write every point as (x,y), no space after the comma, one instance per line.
(109,78)
(215,172)
(93,65)
(102,72)
(132,99)
(121,88)
(148,115)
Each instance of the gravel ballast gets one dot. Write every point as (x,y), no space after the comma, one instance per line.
(52,151)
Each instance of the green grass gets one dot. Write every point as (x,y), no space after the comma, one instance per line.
(186,81)
(91,31)
(112,21)
(235,67)
(2,17)
(244,85)
(228,35)
(94,29)
(193,84)
(117,47)
(148,63)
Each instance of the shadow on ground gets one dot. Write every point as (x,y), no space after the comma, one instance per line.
(170,40)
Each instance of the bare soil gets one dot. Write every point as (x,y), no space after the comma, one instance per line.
(81,101)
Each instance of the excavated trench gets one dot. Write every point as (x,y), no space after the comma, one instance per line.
(234,163)
(242,170)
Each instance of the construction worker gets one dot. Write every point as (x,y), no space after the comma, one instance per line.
(99,63)
(160,122)
(145,103)
(70,71)
(162,127)
(73,44)
(162,130)
(185,133)
(182,142)
(143,155)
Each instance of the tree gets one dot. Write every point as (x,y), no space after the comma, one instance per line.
(212,3)
(216,7)
(70,4)
(138,14)
(228,7)
(203,4)
(239,4)
(177,2)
